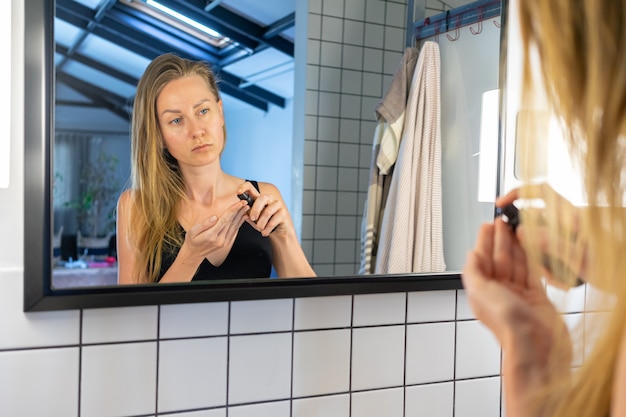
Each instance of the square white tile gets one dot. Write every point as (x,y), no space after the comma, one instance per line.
(477,397)
(374,35)
(273,409)
(395,13)
(350,106)
(377,357)
(375,11)
(348,157)
(33,329)
(327,180)
(353,32)
(332,29)
(352,57)
(259,316)
(328,105)
(41,382)
(193,320)
(372,84)
(328,133)
(348,182)
(333,8)
(354,10)
(394,38)
(430,400)
(330,79)
(430,353)
(373,60)
(477,351)
(391,59)
(377,309)
(120,324)
(259,368)
(192,373)
(330,54)
(427,306)
(321,363)
(332,405)
(126,372)
(323,312)
(386,402)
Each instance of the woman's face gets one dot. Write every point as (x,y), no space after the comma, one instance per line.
(191,120)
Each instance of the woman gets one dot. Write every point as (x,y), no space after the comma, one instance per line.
(182,219)
(581,45)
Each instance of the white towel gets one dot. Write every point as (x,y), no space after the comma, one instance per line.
(411,237)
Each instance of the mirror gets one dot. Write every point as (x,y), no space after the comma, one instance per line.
(333,256)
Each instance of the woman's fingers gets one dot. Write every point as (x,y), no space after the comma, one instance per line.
(503,248)
(484,248)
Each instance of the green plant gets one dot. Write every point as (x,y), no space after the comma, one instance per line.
(95,205)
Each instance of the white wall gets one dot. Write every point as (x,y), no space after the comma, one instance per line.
(393,355)
(259,146)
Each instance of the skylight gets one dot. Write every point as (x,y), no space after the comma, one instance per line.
(180,21)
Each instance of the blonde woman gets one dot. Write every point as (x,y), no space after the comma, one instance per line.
(182,219)
(581,45)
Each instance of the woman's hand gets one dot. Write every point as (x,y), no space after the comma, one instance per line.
(213,238)
(509,298)
(268,213)
(561,240)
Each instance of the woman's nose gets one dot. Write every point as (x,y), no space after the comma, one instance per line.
(197,129)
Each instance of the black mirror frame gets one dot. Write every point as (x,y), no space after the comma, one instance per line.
(38,292)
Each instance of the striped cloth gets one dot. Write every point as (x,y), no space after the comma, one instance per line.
(390,115)
(411,235)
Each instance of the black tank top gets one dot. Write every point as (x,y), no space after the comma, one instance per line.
(250,257)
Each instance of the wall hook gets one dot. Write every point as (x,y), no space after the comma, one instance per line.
(481,13)
(457,29)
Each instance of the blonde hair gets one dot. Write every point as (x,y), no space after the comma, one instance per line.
(581,46)
(157,183)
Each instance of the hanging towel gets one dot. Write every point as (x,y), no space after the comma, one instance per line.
(390,116)
(411,235)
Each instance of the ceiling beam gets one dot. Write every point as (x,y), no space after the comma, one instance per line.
(147,37)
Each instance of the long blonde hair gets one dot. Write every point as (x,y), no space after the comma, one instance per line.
(157,183)
(581,45)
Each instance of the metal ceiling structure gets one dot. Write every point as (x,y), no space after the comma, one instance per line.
(103,46)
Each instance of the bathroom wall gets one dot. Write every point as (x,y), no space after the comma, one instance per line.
(353,48)
(392,355)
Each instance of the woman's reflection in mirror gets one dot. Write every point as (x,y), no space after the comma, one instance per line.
(181,219)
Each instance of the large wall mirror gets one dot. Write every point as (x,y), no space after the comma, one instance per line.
(300,82)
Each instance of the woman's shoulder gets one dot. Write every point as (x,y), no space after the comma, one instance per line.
(125,199)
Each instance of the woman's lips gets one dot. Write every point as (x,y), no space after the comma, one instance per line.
(200,147)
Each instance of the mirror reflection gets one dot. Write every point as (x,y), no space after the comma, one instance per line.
(306,124)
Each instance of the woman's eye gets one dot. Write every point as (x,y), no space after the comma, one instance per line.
(204,111)
(176,121)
